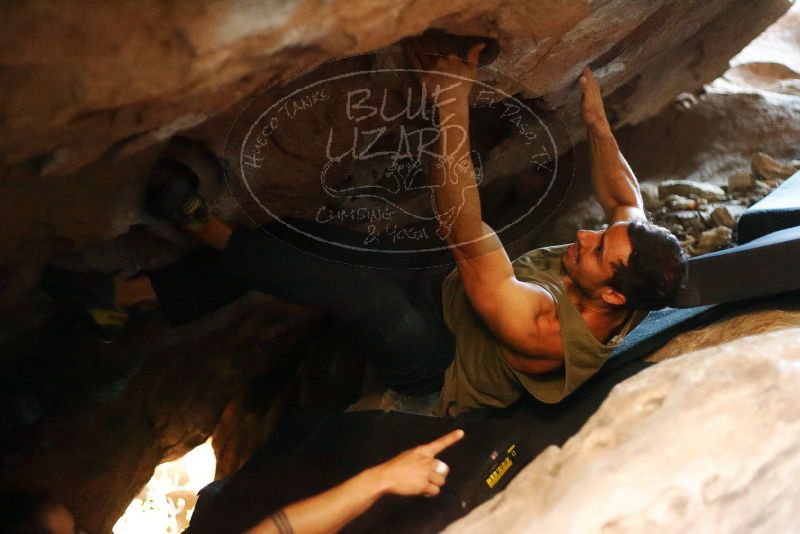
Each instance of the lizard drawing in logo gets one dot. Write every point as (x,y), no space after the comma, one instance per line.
(400,181)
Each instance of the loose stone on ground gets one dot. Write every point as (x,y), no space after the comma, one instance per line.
(703,216)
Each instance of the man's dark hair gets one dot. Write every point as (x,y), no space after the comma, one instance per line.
(656,268)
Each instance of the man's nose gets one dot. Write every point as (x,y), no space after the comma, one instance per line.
(585,237)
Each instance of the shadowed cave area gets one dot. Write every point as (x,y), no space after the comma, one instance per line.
(704,101)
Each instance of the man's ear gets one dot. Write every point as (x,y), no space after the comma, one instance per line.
(613,297)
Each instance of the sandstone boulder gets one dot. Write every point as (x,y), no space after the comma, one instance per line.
(85,78)
(768,168)
(677,202)
(741,181)
(91,90)
(702,443)
(713,240)
(727,215)
(685,188)
(712,136)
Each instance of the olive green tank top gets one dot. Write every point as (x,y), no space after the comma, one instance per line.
(479,376)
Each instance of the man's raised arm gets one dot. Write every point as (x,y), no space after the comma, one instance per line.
(508,306)
(452,176)
(614,183)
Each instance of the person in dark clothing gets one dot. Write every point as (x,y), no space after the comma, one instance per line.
(397,311)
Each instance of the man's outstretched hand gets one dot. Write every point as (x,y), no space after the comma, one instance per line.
(413,472)
(594,114)
(433,63)
(417,471)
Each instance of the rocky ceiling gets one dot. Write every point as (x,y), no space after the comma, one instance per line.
(82,79)
(91,90)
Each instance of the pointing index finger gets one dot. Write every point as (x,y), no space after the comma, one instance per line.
(438,445)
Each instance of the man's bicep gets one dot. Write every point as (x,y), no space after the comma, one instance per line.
(508,306)
(516,317)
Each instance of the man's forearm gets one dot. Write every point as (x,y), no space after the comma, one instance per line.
(412,472)
(453,176)
(614,183)
(613,180)
(329,511)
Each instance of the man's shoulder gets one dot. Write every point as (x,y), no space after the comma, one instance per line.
(545,298)
(540,269)
(549,250)
(541,327)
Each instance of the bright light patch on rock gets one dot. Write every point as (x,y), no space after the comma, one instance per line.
(166,503)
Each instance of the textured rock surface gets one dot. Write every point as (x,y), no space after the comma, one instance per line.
(752,321)
(170,67)
(99,418)
(90,91)
(90,422)
(766,168)
(688,188)
(133,73)
(769,64)
(75,91)
(711,137)
(703,443)
(727,215)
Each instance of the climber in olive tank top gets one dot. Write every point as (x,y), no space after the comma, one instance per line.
(479,376)
(547,322)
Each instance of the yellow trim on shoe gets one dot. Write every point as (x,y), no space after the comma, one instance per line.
(195,209)
(104,317)
(191,205)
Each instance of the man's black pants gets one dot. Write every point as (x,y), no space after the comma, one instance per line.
(396,313)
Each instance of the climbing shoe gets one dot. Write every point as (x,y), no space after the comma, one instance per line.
(91,293)
(172,195)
